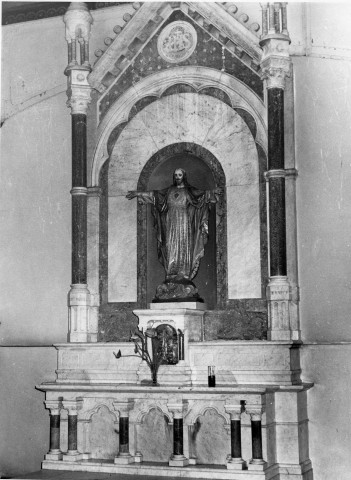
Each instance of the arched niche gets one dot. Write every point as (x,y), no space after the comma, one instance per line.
(203,172)
(213,125)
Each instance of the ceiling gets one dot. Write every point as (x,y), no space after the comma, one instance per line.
(15,12)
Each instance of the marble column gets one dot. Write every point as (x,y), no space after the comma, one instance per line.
(235,462)
(54,452)
(257,462)
(72,406)
(123,408)
(275,67)
(178,459)
(78,21)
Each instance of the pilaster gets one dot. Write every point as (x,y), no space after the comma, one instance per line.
(78,20)
(275,68)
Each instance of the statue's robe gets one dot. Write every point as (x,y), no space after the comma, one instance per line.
(181,222)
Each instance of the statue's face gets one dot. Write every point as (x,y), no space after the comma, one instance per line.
(179,177)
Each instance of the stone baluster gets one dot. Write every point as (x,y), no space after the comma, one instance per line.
(257,462)
(55,407)
(123,408)
(72,406)
(275,67)
(178,409)
(235,462)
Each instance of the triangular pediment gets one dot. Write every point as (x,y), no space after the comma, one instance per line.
(216,20)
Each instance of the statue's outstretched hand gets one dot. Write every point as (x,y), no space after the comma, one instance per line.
(131,194)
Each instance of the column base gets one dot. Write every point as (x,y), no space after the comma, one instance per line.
(178,461)
(73,456)
(235,464)
(52,455)
(138,457)
(257,465)
(124,459)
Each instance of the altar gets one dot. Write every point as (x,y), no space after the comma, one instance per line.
(183,351)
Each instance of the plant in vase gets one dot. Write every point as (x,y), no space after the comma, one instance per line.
(141,350)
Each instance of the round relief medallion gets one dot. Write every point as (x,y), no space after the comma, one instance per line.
(177,41)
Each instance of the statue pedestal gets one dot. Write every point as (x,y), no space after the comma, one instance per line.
(184,316)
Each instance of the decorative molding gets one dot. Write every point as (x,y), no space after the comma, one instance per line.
(177,41)
(146,22)
(154,85)
(278,173)
(79,191)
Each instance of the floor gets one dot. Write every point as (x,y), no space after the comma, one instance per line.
(68,475)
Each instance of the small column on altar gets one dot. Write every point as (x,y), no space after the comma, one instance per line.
(257,462)
(235,462)
(72,406)
(275,67)
(178,410)
(55,407)
(123,408)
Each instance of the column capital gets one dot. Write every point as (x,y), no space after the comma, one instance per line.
(54,406)
(178,409)
(123,408)
(275,69)
(255,412)
(73,405)
(234,411)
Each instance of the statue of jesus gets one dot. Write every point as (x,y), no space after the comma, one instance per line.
(181,221)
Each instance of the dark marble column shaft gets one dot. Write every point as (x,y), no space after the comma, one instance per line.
(124,435)
(235,437)
(54,432)
(79,199)
(72,432)
(277,221)
(256,436)
(178,436)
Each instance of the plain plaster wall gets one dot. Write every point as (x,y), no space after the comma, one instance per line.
(24,438)
(323,146)
(35,234)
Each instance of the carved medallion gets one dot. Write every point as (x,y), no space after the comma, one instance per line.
(177,42)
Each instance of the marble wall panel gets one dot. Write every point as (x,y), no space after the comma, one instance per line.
(103,438)
(210,439)
(244,256)
(155,437)
(122,248)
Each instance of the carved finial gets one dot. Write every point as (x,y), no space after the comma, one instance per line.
(78,22)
